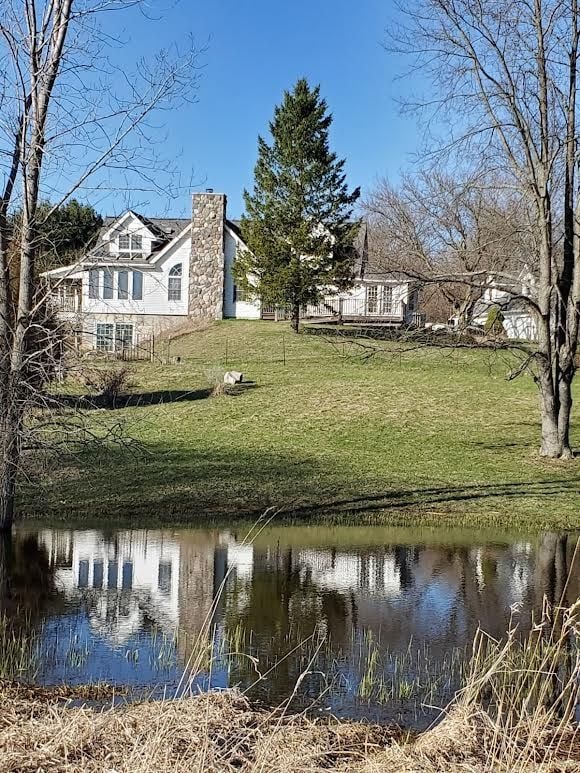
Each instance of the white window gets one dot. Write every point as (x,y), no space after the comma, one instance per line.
(123,336)
(174,283)
(108,284)
(240,295)
(114,337)
(137,285)
(131,244)
(124,242)
(123,285)
(105,336)
(387,299)
(94,283)
(372,299)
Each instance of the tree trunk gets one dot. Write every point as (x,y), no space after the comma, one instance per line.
(295,318)
(551,446)
(9,461)
(564,415)
(555,388)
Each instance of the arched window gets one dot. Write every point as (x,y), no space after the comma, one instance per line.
(174,285)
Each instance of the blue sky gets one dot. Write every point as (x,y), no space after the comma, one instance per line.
(254,50)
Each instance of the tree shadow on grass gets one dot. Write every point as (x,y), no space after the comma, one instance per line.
(184,484)
(142,399)
(425,495)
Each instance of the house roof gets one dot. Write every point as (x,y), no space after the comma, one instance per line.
(236,226)
(507,306)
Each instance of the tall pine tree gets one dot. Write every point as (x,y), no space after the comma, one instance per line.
(298,224)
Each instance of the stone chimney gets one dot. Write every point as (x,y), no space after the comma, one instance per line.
(206,269)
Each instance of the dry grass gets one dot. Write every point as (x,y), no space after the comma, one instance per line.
(515,715)
(222,732)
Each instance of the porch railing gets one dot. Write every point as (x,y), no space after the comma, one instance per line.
(356,308)
(418,319)
(66,303)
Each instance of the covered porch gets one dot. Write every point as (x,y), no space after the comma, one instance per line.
(66,295)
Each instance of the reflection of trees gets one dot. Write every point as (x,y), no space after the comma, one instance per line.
(283,609)
(556,578)
(27,593)
(28,579)
(405,560)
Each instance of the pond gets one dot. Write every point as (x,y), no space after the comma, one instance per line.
(364,622)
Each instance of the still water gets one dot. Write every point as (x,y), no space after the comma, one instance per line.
(368,622)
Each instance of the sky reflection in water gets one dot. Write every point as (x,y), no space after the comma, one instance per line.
(390,614)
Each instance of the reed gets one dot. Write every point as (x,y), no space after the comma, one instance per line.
(514,714)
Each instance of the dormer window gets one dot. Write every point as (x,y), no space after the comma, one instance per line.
(131,243)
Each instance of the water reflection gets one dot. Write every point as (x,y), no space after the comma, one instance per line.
(134,605)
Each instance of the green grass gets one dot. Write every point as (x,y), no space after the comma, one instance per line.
(426,437)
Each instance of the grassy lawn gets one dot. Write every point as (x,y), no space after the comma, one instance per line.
(427,437)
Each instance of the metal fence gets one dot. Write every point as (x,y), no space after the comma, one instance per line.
(143,349)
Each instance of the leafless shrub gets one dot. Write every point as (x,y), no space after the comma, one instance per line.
(215,378)
(109,383)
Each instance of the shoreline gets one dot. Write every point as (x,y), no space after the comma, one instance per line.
(517,524)
(222,732)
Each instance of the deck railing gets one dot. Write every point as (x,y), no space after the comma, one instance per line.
(66,303)
(356,308)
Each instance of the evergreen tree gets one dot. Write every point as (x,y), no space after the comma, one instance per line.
(63,235)
(298,224)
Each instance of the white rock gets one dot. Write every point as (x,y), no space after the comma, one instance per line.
(233,377)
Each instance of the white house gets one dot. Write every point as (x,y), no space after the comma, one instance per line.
(148,275)
(509,296)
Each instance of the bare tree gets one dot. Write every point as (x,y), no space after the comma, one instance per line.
(67,116)
(504,74)
(450,232)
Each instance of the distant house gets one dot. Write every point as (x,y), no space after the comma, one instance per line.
(147,275)
(509,296)
(376,296)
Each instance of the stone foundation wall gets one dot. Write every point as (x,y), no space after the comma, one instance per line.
(206,270)
(145,325)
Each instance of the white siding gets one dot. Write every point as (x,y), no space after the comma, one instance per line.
(354,302)
(519,324)
(155,279)
(235,309)
(131,225)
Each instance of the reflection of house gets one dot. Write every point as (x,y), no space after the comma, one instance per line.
(126,580)
(374,573)
(135,582)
